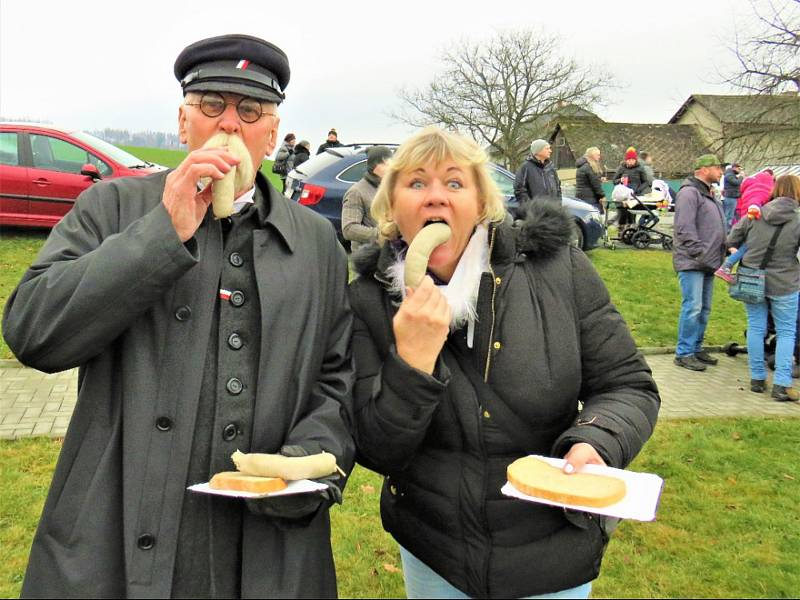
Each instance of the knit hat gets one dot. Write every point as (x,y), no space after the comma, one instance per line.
(376,155)
(630,154)
(290,137)
(333,132)
(707,160)
(538,145)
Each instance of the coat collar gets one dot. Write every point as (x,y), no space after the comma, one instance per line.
(273,210)
(543,230)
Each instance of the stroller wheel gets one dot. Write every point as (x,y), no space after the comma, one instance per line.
(666,243)
(641,240)
(627,234)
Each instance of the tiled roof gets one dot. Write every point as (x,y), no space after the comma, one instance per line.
(778,109)
(674,147)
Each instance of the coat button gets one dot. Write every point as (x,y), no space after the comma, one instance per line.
(229,432)
(237,298)
(496,345)
(163,423)
(498,281)
(236,259)
(234,386)
(486,415)
(182,313)
(235,341)
(146,541)
(393,490)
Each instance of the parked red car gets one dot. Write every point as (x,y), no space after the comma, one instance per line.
(43,169)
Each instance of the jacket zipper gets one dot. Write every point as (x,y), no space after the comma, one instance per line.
(494,292)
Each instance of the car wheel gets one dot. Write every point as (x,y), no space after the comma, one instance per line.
(577,236)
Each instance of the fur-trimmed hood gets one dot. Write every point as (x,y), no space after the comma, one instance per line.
(541,230)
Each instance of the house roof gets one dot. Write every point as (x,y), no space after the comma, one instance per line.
(749,108)
(674,147)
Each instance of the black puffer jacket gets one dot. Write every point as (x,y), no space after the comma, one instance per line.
(547,337)
(638,179)
(588,186)
(537,180)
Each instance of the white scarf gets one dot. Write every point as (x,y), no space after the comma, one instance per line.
(462,290)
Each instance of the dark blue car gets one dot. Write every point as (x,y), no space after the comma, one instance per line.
(321,181)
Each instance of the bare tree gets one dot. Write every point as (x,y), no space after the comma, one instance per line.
(496,91)
(768,64)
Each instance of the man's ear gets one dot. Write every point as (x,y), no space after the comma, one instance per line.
(272,136)
(182,135)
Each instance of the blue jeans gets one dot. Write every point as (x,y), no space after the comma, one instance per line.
(697,288)
(423,582)
(729,206)
(735,257)
(784,315)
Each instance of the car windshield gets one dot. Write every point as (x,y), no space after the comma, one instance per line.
(124,158)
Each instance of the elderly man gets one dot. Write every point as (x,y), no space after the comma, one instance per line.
(698,251)
(195,337)
(358,226)
(537,178)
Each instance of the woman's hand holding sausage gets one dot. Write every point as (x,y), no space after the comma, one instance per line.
(421,325)
(185,205)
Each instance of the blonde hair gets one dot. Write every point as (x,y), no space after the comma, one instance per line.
(434,145)
(787,186)
(594,164)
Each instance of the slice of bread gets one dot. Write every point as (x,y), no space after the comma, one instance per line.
(535,477)
(233,480)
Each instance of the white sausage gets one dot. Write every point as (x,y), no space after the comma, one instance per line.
(419,251)
(285,467)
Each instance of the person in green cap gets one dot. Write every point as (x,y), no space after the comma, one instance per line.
(698,251)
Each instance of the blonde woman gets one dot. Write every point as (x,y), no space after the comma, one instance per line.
(589,177)
(485,362)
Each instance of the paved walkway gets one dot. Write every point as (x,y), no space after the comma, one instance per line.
(35,403)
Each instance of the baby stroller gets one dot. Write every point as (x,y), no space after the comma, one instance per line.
(643,233)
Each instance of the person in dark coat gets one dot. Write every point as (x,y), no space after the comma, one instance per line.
(537,178)
(698,251)
(589,177)
(484,362)
(302,152)
(731,182)
(195,337)
(632,174)
(331,142)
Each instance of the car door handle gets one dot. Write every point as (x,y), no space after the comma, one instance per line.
(41,181)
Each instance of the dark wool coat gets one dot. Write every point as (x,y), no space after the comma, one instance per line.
(547,338)
(537,180)
(115,292)
(699,228)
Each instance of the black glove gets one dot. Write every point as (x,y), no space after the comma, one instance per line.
(297,506)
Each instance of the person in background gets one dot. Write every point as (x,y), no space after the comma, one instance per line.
(731,182)
(537,178)
(331,142)
(358,226)
(631,174)
(302,152)
(589,177)
(698,251)
(779,218)
(195,337)
(283,159)
(457,379)
(756,189)
(647,164)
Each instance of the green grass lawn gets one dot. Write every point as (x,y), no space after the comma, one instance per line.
(727,524)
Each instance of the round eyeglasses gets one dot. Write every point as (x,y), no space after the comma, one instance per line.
(212,104)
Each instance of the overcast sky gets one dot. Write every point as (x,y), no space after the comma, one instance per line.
(93,64)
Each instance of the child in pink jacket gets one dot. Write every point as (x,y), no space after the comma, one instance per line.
(757,190)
